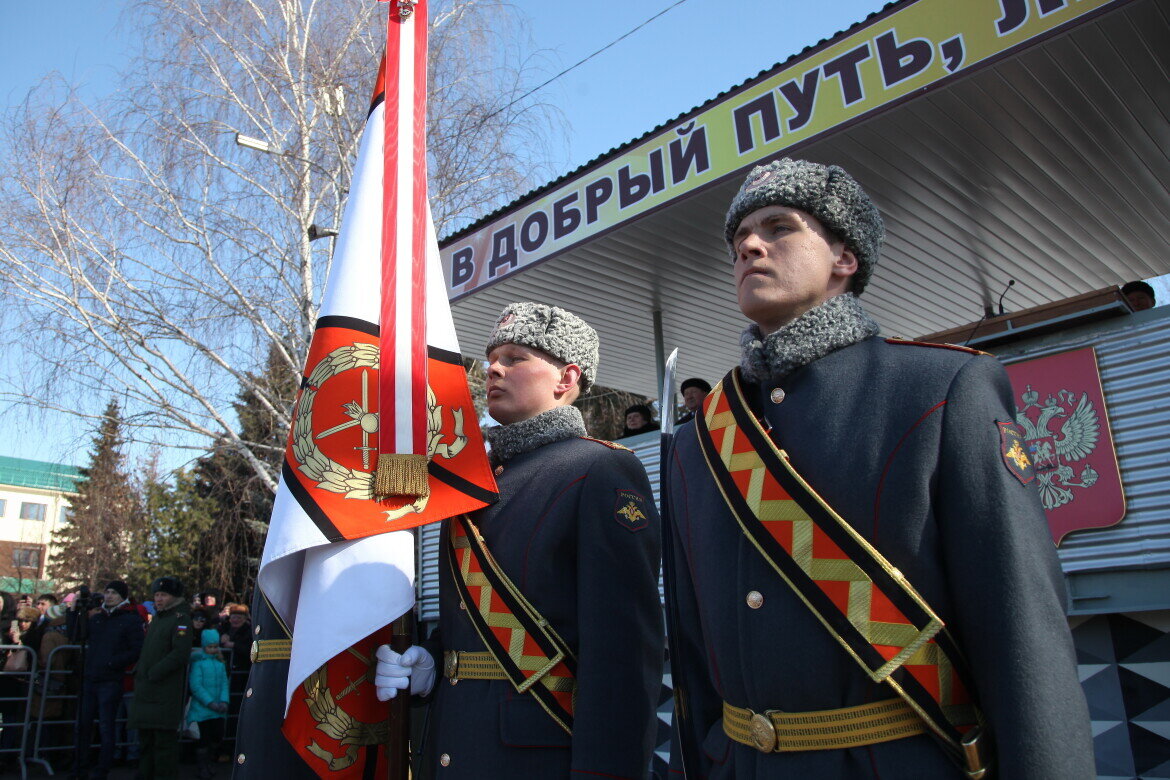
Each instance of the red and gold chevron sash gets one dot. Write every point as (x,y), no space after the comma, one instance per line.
(865,603)
(531,653)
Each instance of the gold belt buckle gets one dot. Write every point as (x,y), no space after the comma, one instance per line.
(763,732)
(451,665)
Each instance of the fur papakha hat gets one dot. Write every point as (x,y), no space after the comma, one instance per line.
(826,192)
(550,329)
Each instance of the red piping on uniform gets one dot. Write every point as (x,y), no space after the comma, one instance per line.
(877,499)
(873,762)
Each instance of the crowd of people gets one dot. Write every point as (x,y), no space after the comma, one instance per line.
(108,677)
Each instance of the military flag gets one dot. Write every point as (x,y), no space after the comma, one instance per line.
(384,434)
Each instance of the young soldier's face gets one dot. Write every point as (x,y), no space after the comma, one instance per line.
(785,264)
(522,382)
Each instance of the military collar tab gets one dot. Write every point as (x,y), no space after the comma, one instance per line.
(838,322)
(508,441)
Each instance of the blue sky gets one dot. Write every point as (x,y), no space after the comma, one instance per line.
(691,53)
(683,58)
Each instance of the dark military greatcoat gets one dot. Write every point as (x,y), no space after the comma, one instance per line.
(902,441)
(160,678)
(564,533)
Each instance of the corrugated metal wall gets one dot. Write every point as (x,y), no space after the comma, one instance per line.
(1133,355)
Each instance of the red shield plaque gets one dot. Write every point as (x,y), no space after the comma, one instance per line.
(1061,407)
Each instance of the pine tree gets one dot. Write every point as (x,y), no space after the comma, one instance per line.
(93,544)
(177,536)
(243,503)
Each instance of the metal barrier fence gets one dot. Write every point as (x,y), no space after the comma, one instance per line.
(14,704)
(38,714)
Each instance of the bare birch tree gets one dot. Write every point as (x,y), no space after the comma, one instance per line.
(150,258)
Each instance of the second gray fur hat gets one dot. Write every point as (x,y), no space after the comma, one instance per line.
(828,193)
(550,329)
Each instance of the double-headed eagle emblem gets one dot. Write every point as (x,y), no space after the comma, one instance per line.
(632,512)
(1052,456)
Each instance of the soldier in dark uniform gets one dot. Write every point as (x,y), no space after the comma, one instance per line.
(577,533)
(156,710)
(913,446)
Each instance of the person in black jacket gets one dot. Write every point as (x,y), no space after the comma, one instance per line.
(112,639)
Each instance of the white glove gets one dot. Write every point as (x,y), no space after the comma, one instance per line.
(396,672)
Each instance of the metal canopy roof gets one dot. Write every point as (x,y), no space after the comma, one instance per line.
(1049,168)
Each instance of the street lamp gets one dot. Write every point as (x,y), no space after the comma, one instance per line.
(258,144)
(316,232)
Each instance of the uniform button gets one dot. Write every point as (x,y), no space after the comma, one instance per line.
(463,605)
(777,395)
(498,470)
(445,760)
(240,759)
(257,631)
(755,599)
(248,693)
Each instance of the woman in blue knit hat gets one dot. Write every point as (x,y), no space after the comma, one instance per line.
(209,701)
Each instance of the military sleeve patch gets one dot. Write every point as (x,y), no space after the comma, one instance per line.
(1015,452)
(630,510)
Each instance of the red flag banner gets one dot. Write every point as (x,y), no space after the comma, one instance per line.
(335,721)
(332,446)
(383,371)
(1061,407)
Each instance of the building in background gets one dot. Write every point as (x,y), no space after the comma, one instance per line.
(34,501)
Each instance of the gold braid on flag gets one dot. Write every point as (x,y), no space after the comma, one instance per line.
(401,475)
(866,604)
(531,653)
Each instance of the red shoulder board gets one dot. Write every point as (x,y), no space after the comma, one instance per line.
(610,444)
(955,347)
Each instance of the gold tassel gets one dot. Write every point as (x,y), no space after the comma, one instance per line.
(401,475)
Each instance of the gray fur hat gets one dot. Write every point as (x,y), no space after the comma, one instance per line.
(826,192)
(550,329)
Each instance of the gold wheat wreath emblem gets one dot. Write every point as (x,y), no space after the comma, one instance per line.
(330,475)
(338,724)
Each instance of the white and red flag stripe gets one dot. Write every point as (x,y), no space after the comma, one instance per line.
(403,434)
